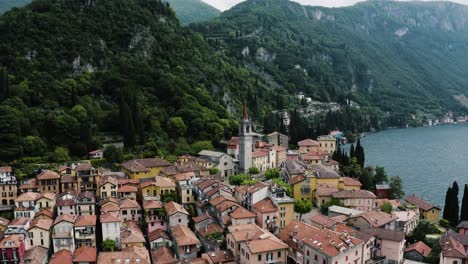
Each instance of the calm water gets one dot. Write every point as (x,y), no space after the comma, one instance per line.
(428,159)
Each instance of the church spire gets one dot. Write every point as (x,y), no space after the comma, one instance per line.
(244,112)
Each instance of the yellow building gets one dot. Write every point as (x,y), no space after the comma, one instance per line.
(157,187)
(108,187)
(144,168)
(427,210)
(348,183)
(47,201)
(327,143)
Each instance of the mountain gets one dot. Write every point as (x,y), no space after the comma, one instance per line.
(79,73)
(6,5)
(403,57)
(189,11)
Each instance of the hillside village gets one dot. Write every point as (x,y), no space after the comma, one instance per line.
(155,211)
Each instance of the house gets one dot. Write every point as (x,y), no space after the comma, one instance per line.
(131,235)
(362,200)
(157,188)
(110,205)
(278,139)
(87,177)
(308,145)
(85,255)
(211,236)
(240,234)
(144,168)
(18,226)
(44,214)
(241,216)
(27,186)
(35,255)
(127,192)
(462,228)
(26,205)
(417,251)
(163,255)
(155,215)
(323,194)
(129,255)
(321,221)
(12,248)
(47,201)
(84,230)
(48,181)
(130,210)
(39,233)
(222,161)
(453,249)
(184,187)
(108,187)
(266,213)
(261,159)
(407,220)
(159,238)
(62,234)
(305,183)
(265,248)
(373,219)
(176,214)
(427,210)
(251,195)
(61,257)
(284,203)
(9,187)
(389,244)
(219,256)
(186,244)
(348,183)
(67,169)
(86,203)
(66,203)
(382,191)
(185,167)
(110,227)
(232,147)
(96,154)
(327,144)
(223,209)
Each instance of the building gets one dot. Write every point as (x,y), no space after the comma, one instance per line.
(48,181)
(155,215)
(159,238)
(245,142)
(85,255)
(266,214)
(157,188)
(108,187)
(348,183)
(12,248)
(66,203)
(47,201)
(222,161)
(407,220)
(144,168)
(9,187)
(69,182)
(389,244)
(184,187)
(327,144)
(86,203)
(18,226)
(96,154)
(308,145)
(127,192)
(266,248)
(110,227)
(232,147)
(453,249)
(28,186)
(61,257)
(241,216)
(163,255)
(87,177)
(35,255)
(186,244)
(373,219)
(219,256)
(382,191)
(26,205)
(261,159)
(339,211)
(130,210)
(362,200)
(417,251)
(39,233)
(250,195)
(278,139)
(324,194)
(130,255)
(427,210)
(131,235)
(176,214)
(62,234)
(84,230)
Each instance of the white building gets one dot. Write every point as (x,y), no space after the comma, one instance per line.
(220,160)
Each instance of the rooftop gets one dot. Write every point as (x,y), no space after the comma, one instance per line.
(363,194)
(85,220)
(184,236)
(419,247)
(85,254)
(419,202)
(61,257)
(173,208)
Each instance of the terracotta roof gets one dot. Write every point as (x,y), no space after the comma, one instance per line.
(109,218)
(380,202)
(48,175)
(84,167)
(67,218)
(61,257)
(296,179)
(163,182)
(184,236)
(44,224)
(424,205)
(173,208)
(241,233)
(308,143)
(256,187)
(158,233)
(386,234)
(5,169)
(127,189)
(35,255)
(110,207)
(128,181)
(4,221)
(184,176)
(134,255)
(220,256)
(85,220)
(202,218)
(48,196)
(348,181)
(66,202)
(15,240)
(85,254)
(259,153)
(45,212)
(108,179)
(294,167)
(343,194)
(29,184)
(240,213)
(28,196)
(131,233)
(163,255)
(323,221)
(203,184)
(378,219)
(420,247)
(151,204)
(140,165)
(451,247)
(265,243)
(325,190)
(67,178)
(128,203)
(210,229)
(265,206)
(225,205)
(189,166)
(89,195)
(463,224)
(21,221)
(323,172)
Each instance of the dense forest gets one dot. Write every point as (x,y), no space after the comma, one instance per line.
(189,11)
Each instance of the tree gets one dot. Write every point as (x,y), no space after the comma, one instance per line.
(198,146)
(214,171)
(285,186)
(273,173)
(352,152)
(396,188)
(380,175)
(254,170)
(34,146)
(113,154)
(109,245)
(360,155)
(302,207)
(238,179)
(386,207)
(448,204)
(61,154)
(176,127)
(464,207)
(454,215)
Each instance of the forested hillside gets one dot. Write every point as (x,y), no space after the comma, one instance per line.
(404,57)
(189,11)
(78,72)
(6,5)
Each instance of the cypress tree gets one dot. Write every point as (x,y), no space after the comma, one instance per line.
(359,152)
(456,207)
(464,207)
(352,152)
(448,204)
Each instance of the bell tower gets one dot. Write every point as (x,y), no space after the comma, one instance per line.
(245,142)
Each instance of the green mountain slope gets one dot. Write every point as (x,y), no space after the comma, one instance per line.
(79,72)
(405,57)
(189,11)
(6,5)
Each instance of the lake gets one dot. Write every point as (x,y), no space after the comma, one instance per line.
(428,159)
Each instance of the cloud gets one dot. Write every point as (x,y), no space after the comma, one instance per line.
(226,4)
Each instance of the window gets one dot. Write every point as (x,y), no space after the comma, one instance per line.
(315,257)
(346,258)
(180,220)
(279,254)
(308,253)
(259,257)
(324,262)
(31,235)
(42,242)
(357,252)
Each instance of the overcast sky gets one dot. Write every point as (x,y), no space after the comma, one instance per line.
(226,4)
